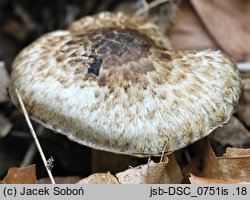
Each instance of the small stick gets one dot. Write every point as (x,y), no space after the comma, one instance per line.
(147,6)
(29,155)
(34,136)
(163,152)
(244,66)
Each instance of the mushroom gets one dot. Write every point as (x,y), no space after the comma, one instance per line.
(111,82)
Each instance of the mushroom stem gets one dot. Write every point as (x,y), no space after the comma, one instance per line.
(34,136)
(102,161)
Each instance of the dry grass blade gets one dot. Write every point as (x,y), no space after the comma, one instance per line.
(35,137)
(5,126)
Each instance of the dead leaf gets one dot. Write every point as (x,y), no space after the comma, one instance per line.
(4,82)
(227,21)
(234,133)
(230,166)
(99,178)
(152,173)
(25,175)
(60,180)
(172,173)
(236,152)
(149,173)
(5,126)
(167,171)
(187,31)
(201,180)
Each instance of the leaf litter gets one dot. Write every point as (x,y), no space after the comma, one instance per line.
(233,166)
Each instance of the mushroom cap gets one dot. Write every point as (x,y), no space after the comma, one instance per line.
(111,83)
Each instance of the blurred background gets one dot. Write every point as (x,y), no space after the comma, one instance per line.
(190,25)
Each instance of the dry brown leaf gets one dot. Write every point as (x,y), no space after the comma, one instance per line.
(149,173)
(201,180)
(234,133)
(152,173)
(4,82)
(236,152)
(99,178)
(227,21)
(5,126)
(187,32)
(229,166)
(25,175)
(172,173)
(60,180)
(243,108)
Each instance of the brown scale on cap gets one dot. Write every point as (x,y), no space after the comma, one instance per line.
(99,55)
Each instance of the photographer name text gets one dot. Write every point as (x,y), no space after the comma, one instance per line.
(44,191)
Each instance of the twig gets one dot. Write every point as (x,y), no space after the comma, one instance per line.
(244,66)
(25,17)
(187,155)
(147,6)
(163,152)
(34,136)
(29,155)
(149,159)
